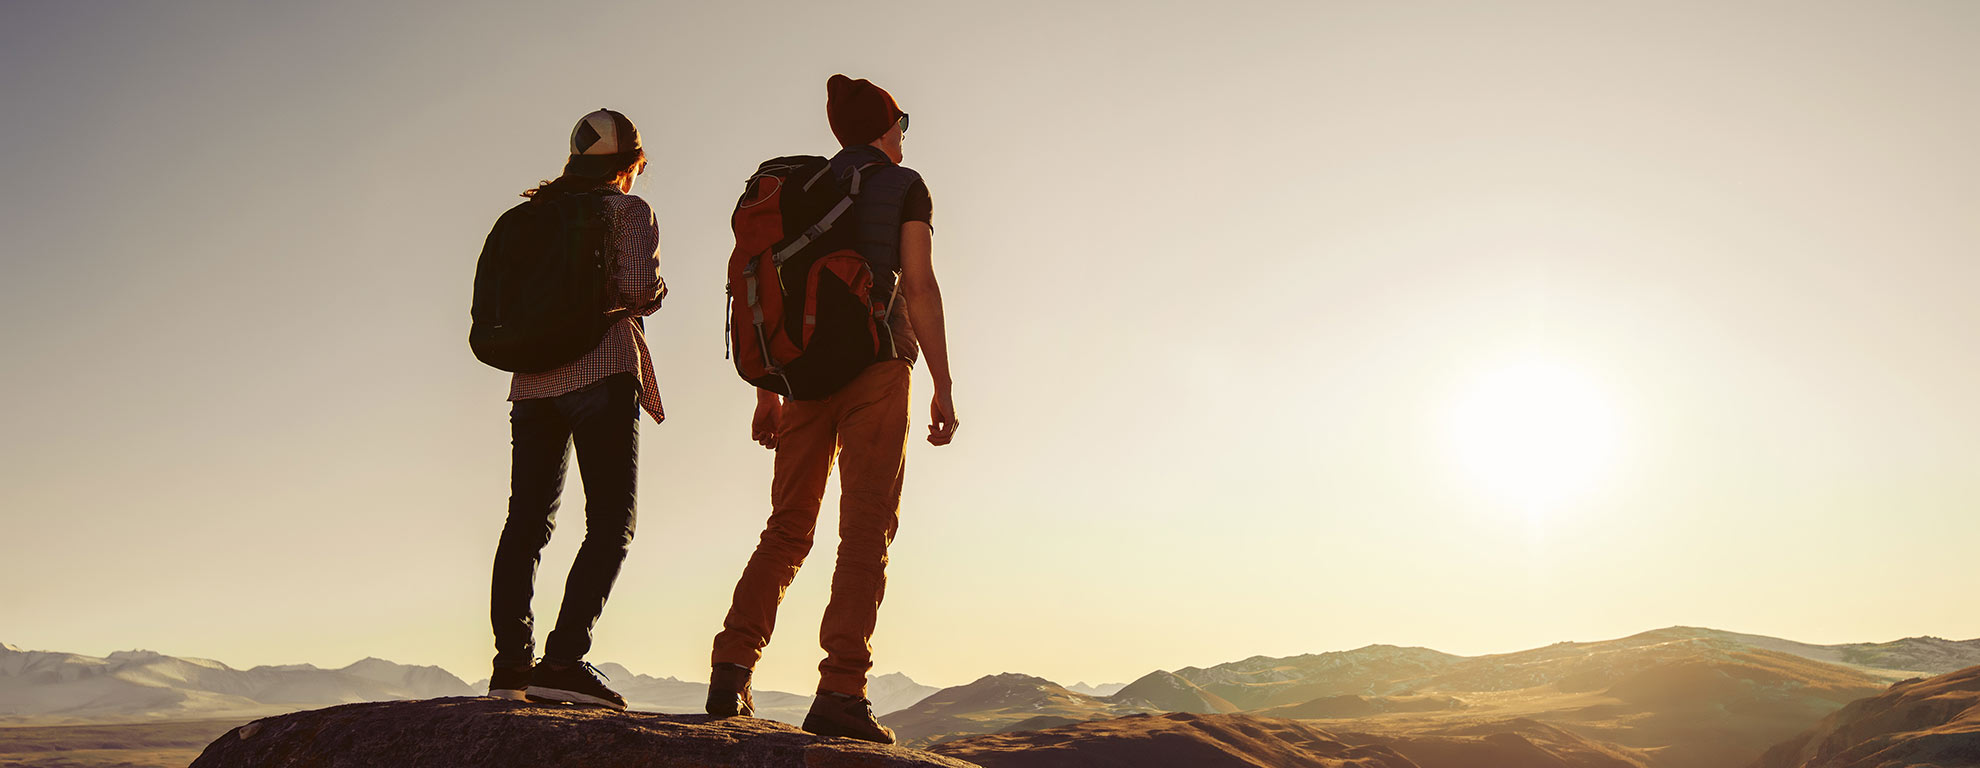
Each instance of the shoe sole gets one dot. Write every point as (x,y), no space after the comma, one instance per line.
(509,694)
(714,710)
(836,733)
(540,693)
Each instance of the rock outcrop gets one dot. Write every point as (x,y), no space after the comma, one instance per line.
(491,733)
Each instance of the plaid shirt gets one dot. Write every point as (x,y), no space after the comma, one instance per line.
(635,241)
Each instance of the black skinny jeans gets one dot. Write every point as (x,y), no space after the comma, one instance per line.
(602,419)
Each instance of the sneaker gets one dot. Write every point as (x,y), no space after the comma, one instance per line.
(728,691)
(578,683)
(837,714)
(509,683)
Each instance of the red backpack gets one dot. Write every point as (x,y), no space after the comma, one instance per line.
(802,317)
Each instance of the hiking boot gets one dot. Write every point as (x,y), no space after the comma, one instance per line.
(578,683)
(728,691)
(837,714)
(509,683)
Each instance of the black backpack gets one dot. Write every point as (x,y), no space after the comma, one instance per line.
(542,287)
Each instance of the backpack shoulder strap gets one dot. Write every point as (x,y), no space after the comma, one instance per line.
(814,231)
(858,172)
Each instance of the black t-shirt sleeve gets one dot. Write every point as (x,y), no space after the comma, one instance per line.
(918,206)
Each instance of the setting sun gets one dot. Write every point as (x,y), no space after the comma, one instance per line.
(1535,433)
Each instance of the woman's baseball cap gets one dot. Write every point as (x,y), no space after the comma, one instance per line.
(604,132)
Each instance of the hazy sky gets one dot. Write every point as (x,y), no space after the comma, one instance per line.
(1223,283)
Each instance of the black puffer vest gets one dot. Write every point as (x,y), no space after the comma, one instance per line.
(883,188)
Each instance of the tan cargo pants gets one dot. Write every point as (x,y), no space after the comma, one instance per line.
(865,425)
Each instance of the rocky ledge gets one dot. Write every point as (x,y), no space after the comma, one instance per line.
(492,733)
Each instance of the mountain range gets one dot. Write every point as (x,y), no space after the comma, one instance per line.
(1917,723)
(144,685)
(46,687)
(1680,697)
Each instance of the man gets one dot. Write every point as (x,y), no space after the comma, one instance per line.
(593,401)
(865,422)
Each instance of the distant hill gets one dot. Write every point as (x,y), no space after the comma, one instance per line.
(895,692)
(995,702)
(1260,682)
(1179,740)
(1594,666)
(1164,692)
(144,685)
(1101,690)
(1909,657)
(1927,723)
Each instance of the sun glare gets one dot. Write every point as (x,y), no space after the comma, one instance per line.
(1535,433)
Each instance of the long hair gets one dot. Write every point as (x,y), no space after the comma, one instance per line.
(582,172)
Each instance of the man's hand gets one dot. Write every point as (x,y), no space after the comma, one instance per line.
(941,418)
(763,428)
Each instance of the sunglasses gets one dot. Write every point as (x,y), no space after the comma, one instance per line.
(904,123)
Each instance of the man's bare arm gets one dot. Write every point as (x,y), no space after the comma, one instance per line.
(924,304)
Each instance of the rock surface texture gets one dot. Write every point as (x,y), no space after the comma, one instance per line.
(490,733)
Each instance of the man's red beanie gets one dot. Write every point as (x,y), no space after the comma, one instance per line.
(858,110)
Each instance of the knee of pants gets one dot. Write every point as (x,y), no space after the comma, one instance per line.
(864,519)
(526,533)
(785,546)
(611,535)
(867,548)
(865,539)
(860,561)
